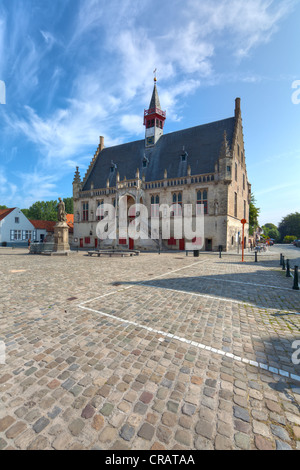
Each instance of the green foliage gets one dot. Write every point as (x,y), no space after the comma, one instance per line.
(289,239)
(42,210)
(253,215)
(290,225)
(271,231)
(69,205)
(3,207)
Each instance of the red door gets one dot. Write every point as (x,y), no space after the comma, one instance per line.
(81,242)
(182,244)
(96,242)
(131,244)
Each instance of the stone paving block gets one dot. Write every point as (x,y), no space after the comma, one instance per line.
(83,374)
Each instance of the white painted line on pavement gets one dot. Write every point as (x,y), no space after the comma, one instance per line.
(198,345)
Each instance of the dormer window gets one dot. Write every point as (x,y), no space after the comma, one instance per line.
(113,167)
(145,162)
(184,154)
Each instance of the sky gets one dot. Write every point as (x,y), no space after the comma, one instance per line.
(77,69)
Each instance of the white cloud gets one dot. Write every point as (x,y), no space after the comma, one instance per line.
(111,53)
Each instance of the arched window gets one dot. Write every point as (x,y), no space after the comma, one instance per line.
(204,201)
(199,201)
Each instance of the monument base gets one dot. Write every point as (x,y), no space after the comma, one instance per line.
(61,238)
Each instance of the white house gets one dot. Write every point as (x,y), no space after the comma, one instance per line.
(15,228)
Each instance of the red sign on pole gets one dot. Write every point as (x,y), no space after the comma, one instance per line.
(243,221)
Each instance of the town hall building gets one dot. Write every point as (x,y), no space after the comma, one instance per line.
(199,165)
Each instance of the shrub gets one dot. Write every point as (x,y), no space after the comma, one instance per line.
(289,239)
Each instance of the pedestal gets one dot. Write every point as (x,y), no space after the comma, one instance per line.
(61,238)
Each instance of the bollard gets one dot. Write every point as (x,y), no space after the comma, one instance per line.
(296,283)
(196,253)
(288,273)
(256,257)
(280,264)
(283,264)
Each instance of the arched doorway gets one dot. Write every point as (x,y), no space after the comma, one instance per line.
(130,201)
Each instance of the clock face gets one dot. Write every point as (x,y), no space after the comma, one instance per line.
(150,140)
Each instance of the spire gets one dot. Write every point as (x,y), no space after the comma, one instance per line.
(154,103)
(77,178)
(154,119)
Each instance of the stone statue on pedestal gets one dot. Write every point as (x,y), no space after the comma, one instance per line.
(61,230)
(61,213)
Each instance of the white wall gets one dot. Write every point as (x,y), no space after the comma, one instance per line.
(9,223)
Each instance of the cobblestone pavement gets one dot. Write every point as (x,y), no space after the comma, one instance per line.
(150,352)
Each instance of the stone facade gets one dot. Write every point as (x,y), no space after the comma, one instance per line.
(224,189)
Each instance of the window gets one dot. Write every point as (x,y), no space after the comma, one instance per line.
(100,214)
(235,204)
(229,169)
(235,171)
(155,208)
(177,199)
(245,210)
(243,181)
(28,235)
(15,235)
(85,211)
(17,220)
(199,201)
(202,199)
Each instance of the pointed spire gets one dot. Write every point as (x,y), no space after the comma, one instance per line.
(77,178)
(154,103)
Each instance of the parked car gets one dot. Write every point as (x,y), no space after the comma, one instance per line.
(297,243)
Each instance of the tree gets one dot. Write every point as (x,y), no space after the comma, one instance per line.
(253,215)
(69,205)
(271,231)
(42,210)
(290,225)
(3,207)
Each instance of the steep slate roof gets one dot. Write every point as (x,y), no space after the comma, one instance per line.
(202,144)
(5,212)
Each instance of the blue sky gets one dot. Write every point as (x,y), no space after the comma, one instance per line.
(78,69)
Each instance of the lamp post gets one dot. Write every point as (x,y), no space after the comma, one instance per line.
(243,222)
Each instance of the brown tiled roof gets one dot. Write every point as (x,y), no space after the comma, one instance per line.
(49,225)
(5,212)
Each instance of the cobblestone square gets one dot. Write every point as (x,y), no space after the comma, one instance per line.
(149,352)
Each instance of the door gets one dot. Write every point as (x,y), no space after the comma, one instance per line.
(182,244)
(131,244)
(81,242)
(208,244)
(96,242)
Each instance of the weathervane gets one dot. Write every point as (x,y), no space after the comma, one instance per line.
(154,71)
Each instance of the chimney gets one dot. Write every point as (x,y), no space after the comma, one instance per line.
(237,107)
(101,143)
